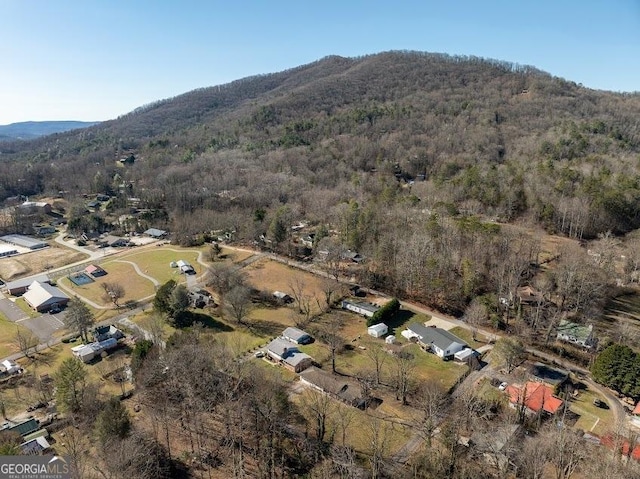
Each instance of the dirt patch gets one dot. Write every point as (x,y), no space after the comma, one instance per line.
(37,262)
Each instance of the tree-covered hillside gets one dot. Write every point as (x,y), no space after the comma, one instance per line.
(394,151)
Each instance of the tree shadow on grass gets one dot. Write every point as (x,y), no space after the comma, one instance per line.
(189,318)
(400,320)
(266,328)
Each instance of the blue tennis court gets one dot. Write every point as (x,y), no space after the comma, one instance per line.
(80,279)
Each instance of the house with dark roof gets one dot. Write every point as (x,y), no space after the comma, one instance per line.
(95,271)
(575,333)
(102,333)
(439,341)
(286,353)
(534,397)
(297,336)
(338,387)
(23,428)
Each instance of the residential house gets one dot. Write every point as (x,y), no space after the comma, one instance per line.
(156,233)
(353,256)
(185,267)
(9,366)
(286,353)
(35,447)
(534,397)
(575,333)
(113,241)
(86,352)
(378,330)
(547,374)
(442,343)
(35,207)
(498,445)
(102,333)
(365,309)
(284,297)
(308,240)
(297,336)
(44,230)
(527,295)
(42,296)
(23,428)
(340,388)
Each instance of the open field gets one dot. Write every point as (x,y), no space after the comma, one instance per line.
(156,262)
(16,398)
(22,304)
(466,335)
(234,255)
(7,333)
(38,261)
(592,418)
(272,276)
(136,287)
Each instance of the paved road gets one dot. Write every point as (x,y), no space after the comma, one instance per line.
(10,310)
(44,325)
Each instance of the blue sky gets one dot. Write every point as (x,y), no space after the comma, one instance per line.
(98,59)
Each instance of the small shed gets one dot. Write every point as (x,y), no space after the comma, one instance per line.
(391,339)
(378,330)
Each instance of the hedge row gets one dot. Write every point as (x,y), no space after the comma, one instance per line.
(384,313)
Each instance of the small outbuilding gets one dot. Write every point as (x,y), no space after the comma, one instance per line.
(95,271)
(391,339)
(297,336)
(378,330)
(185,267)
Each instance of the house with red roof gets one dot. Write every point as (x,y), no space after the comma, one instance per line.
(535,397)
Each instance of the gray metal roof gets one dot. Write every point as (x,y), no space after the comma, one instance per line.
(295,334)
(439,337)
(24,282)
(25,241)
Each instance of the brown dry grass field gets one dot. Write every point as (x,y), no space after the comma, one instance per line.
(136,287)
(38,261)
(269,275)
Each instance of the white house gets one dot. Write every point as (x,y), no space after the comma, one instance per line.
(10,367)
(185,267)
(378,330)
(43,296)
(365,309)
(442,343)
(86,352)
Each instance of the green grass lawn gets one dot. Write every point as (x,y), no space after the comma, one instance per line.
(136,287)
(467,336)
(22,304)
(430,367)
(8,331)
(592,418)
(156,262)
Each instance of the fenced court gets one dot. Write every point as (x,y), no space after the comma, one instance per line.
(80,279)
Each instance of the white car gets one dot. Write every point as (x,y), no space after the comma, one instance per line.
(259,354)
(502,386)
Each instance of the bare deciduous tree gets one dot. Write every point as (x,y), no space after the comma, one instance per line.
(26,341)
(113,292)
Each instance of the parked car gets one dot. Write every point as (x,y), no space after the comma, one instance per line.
(55,309)
(503,386)
(259,354)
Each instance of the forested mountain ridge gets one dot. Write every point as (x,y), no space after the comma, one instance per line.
(339,142)
(27,130)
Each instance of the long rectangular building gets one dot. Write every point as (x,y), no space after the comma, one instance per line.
(24,241)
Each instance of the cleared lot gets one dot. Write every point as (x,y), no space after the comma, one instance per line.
(44,326)
(9,309)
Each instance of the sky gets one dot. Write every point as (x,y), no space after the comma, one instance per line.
(95,60)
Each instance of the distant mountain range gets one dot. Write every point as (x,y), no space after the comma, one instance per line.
(28,130)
